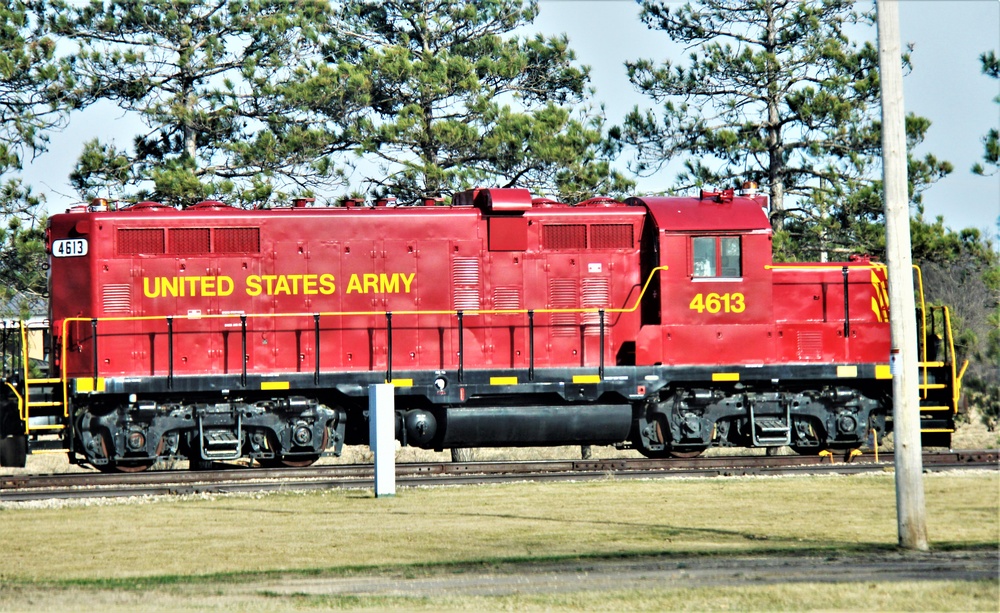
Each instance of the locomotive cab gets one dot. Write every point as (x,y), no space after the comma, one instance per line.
(714,290)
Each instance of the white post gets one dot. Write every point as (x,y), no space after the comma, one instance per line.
(382,436)
(911,516)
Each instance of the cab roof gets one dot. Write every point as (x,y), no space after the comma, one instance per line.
(712,212)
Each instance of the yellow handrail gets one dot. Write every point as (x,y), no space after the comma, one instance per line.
(474,312)
(923,323)
(956,390)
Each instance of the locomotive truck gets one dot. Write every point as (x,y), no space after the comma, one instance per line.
(661,324)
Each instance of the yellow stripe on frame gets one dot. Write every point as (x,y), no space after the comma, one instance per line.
(85,385)
(882,371)
(586,378)
(847,371)
(725,376)
(401,382)
(274,385)
(503,380)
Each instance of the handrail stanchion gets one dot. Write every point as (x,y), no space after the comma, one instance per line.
(243,353)
(93,330)
(170,352)
(600,370)
(847,307)
(531,345)
(316,346)
(461,347)
(388,347)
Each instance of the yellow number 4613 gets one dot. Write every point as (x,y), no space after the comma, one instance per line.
(718,303)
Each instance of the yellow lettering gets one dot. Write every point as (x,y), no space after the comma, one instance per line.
(380,283)
(253,285)
(281,287)
(326,286)
(192,283)
(407,279)
(718,303)
(208,286)
(295,282)
(170,286)
(387,284)
(145,287)
(269,281)
(309,285)
(225,286)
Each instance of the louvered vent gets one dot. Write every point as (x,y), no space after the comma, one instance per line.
(237,240)
(810,345)
(189,241)
(507,298)
(596,294)
(563,294)
(611,236)
(465,281)
(117,298)
(564,236)
(140,241)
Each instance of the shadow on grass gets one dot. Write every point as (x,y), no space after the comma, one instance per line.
(509,565)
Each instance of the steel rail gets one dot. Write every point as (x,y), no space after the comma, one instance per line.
(16,488)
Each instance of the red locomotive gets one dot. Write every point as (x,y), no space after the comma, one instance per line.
(215,333)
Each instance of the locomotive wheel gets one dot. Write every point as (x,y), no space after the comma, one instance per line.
(654,455)
(125,467)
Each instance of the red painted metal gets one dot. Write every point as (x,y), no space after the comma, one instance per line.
(494,256)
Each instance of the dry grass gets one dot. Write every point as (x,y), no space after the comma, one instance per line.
(224,552)
(167,542)
(868,596)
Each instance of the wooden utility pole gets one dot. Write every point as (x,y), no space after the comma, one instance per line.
(911,516)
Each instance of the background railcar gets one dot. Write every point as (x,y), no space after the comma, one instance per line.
(215,333)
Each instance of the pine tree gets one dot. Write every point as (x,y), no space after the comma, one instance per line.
(202,77)
(991,142)
(32,104)
(774,92)
(454,100)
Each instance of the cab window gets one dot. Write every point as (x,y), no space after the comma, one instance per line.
(715,256)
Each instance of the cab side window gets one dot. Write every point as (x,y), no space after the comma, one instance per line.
(715,256)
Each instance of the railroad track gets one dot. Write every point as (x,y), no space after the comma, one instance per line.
(19,488)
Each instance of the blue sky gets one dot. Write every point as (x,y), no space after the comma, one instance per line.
(946,86)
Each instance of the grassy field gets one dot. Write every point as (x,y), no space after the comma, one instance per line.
(282,551)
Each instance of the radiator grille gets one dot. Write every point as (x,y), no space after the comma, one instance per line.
(564,236)
(137,241)
(465,281)
(563,294)
(596,294)
(190,240)
(810,345)
(237,240)
(611,236)
(507,298)
(117,298)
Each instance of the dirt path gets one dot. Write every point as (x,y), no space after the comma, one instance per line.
(648,573)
